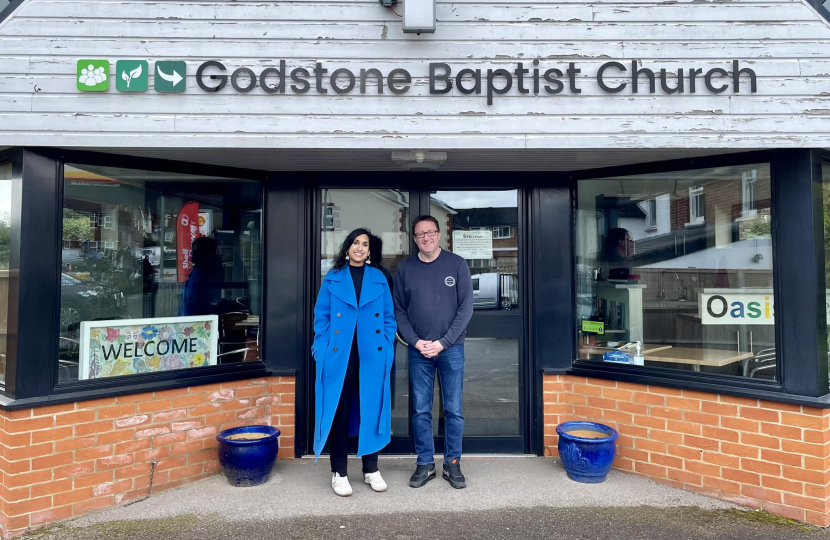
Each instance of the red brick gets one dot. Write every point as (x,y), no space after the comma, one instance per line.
(784,511)
(760,440)
(782,484)
(129,447)
(133,470)
(615,416)
(114,462)
(190,424)
(50,516)
(740,424)
(50,462)
(743,477)
(184,448)
(746,402)
(663,412)
(154,406)
(721,434)
(685,453)
(781,457)
(819,519)
(816,450)
(72,497)
(230,416)
(203,433)
(27,478)
(683,403)
(667,461)
(648,469)
(184,473)
(665,391)
(95,403)
(169,438)
(132,421)
(73,418)
(698,442)
(721,409)
(151,432)
(723,460)
(703,468)
(789,407)
(762,467)
(94,452)
(28,506)
(802,475)
(47,435)
(804,502)
(171,463)
(649,399)
(722,485)
(630,453)
(702,418)
(785,432)
(93,428)
(685,477)
(151,454)
(111,488)
(188,401)
(167,416)
(683,427)
(74,444)
(27,452)
(117,411)
(50,488)
(819,437)
(761,493)
(94,504)
(764,415)
(813,464)
(116,436)
(93,479)
(803,421)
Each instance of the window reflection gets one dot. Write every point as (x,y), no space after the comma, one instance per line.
(159,271)
(680,262)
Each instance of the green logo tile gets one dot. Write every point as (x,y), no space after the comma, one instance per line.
(131,75)
(93,75)
(171,76)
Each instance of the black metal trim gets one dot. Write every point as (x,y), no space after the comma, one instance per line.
(7,11)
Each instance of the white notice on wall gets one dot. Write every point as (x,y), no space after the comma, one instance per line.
(473,244)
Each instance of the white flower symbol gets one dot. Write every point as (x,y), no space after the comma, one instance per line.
(91,76)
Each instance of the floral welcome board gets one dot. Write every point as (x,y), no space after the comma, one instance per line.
(132,346)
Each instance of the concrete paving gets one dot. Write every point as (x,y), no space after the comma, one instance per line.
(302,488)
(512,497)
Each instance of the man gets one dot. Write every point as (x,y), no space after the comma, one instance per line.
(433,297)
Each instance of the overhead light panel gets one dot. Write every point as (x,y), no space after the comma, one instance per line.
(419,160)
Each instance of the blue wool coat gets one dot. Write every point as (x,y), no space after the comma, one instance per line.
(336,318)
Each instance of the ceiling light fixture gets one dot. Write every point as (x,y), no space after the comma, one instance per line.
(419,160)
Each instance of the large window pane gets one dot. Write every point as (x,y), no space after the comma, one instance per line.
(159,271)
(682,263)
(5,248)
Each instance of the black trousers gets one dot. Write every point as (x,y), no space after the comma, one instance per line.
(339,435)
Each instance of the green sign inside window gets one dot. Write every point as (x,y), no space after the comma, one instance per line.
(595,327)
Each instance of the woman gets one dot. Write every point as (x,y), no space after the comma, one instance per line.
(354,333)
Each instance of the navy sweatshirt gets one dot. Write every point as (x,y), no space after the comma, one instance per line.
(433,301)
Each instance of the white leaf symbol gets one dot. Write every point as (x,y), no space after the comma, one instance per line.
(133,74)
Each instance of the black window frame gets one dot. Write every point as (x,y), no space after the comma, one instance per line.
(32,372)
(801,377)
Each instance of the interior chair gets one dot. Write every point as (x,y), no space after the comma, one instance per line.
(762,365)
(234,344)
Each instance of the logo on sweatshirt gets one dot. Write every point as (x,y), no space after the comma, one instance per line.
(449,281)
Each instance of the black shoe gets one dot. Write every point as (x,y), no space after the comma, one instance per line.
(452,474)
(422,475)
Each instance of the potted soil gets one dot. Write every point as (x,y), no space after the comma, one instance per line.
(247,454)
(587,450)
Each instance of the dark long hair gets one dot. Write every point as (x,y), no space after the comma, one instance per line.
(340,259)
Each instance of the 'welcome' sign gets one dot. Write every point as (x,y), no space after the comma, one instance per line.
(132,346)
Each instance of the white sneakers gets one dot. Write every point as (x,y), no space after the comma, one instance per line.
(341,486)
(375,480)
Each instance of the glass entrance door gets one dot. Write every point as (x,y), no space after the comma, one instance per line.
(483,228)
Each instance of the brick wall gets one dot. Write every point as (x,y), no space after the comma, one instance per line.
(757,453)
(64,460)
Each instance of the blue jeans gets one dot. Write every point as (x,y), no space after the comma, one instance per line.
(450,366)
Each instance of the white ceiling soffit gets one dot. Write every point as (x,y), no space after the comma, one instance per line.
(381,160)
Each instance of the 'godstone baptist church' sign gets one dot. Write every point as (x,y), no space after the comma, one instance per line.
(211,77)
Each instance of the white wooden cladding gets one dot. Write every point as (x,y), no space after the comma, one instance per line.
(786,43)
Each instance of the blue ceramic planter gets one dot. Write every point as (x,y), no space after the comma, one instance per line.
(248,462)
(587,460)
